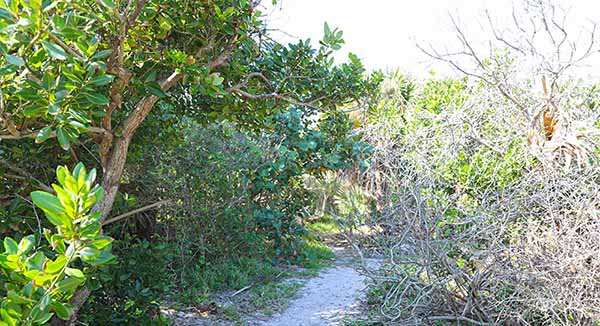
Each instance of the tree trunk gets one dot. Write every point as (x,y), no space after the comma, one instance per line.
(112,176)
(113,170)
(118,155)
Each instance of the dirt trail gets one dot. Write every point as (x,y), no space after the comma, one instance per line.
(326,299)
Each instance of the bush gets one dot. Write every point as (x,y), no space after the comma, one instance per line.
(238,207)
(38,281)
(134,287)
(481,223)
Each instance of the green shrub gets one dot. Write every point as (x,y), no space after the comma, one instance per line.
(134,287)
(38,281)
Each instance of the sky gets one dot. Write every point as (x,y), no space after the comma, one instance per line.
(383,33)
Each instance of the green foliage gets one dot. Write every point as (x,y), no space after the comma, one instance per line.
(134,287)
(261,174)
(78,79)
(240,202)
(38,283)
(439,94)
(59,60)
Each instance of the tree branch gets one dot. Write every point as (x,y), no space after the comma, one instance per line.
(93,130)
(22,174)
(136,211)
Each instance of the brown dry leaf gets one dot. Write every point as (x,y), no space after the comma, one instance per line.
(549,117)
(549,123)
(207,309)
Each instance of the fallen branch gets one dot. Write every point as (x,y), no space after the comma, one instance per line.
(242,290)
(247,287)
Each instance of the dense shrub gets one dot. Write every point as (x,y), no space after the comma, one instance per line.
(238,189)
(39,277)
(480,223)
(238,206)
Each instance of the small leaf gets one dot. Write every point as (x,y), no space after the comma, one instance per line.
(65,199)
(7,318)
(15,60)
(102,54)
(102,241)
(33,111)
(97,192)
(69,284)
(91,177)
(53,267)
(18,299)
(7,16)
(43,134)
(51,206)
(37,261)
(63,139)
(26,244)
(54,50)
(326,29)
(61,174)
(53,109)
(89,253)
(104,258)
(61,310)
(96,98)
(79,168)
(155,89)
(42,318)
(108,3)
(150,76)
(102,80)
(10,246)
(217,80)
(74,272)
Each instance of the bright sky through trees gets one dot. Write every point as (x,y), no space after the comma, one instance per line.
(384,32)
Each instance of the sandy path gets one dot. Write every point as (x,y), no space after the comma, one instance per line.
(324,300)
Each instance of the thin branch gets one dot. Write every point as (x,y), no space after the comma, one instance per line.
(136,211)
(93,130)
(22,174)
(73,51)
(276,96)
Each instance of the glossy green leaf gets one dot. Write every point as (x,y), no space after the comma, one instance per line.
(74,272)
(103,259)
(51,206)
(61,310)
(19,299)
(69,284)
(61,174)
(15,60)
(155,89)
(55,266)
(102,80)
(54,50)
(101,54)
(53,109)
(89,253)
(33,111)
(97,99)
(36,261)
(10,245)
(26,244)
(43,134)
(63,138)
